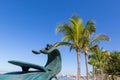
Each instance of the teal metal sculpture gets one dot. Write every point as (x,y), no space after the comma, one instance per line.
(48,72)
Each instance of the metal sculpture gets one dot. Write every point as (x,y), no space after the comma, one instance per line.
(47,72)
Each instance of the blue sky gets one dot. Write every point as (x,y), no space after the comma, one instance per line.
(27,25)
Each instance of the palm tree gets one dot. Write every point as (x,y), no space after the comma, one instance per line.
(101,57)
(89,29)
(93,61)
(72,36)
(88,42)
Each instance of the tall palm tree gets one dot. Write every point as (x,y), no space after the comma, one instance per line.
(89,29)
(89,42)
(72,36)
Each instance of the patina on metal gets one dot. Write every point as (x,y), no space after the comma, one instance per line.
(47,72)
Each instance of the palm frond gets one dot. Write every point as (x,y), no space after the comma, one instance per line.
(64,28)
(90,26)
(62,44)
(100,38)
(95,50)
(67,38)
(77,27)
(72,47)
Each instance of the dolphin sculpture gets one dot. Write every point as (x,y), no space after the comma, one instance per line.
(47,72)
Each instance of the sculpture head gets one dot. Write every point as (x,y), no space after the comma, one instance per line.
(48,49)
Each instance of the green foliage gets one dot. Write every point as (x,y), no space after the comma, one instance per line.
(78,36)
(112,66)
(72,33)
(90,27)
(98,58)
(99,38)
(72,36)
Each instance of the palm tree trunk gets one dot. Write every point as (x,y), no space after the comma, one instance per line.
(86,59)
(112,77)
(101,72)
(78,62)
(93,72)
